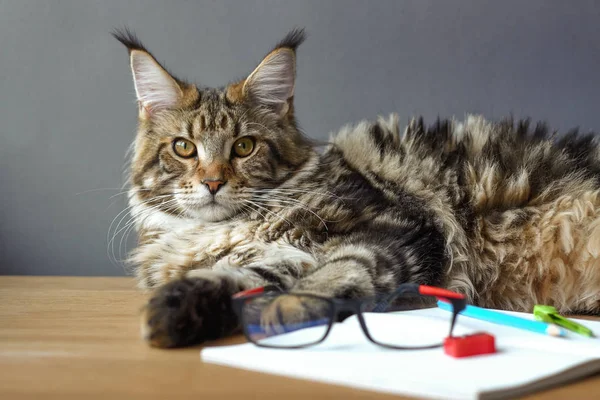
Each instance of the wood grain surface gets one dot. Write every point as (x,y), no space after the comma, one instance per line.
(78,338)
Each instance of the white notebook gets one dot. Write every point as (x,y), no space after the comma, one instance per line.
(525,361)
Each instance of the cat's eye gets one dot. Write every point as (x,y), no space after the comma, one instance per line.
(243,146)
(184,148)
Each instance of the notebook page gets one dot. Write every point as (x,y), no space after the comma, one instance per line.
(347,358)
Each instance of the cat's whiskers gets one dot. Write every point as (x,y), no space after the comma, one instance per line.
(130,222)
(288,204)
(127,213)
(100,189)
(130,225)
(108,234)
(182,212)
(167,192)
(290,192)
(303,188)
(120,194)
(249,210)
(294,202)
(283,197)
(268,211)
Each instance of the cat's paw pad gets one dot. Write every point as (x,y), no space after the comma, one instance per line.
(188,311)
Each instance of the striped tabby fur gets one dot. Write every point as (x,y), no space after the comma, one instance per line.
(505,213)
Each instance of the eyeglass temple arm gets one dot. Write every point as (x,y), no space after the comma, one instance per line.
(237,300)
(424,290)
(458,301)
(256,290)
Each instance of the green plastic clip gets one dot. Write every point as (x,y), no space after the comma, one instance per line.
(550,315)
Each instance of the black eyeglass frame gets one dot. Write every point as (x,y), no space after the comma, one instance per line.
(354,306)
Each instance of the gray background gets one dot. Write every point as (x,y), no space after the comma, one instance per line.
(67,109)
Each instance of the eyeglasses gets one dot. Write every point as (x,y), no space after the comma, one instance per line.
(276,319)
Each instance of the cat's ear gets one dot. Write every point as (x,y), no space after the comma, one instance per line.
(156,89)
(271,84)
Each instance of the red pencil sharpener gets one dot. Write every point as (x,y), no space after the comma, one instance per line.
(470,345)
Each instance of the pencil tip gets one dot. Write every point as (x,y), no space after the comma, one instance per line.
(554,330)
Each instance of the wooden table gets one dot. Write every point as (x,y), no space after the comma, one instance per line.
(78,338)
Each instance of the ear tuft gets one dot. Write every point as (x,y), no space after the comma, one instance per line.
(293,39)
(128,39)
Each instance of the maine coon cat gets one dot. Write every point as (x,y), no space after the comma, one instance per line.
(228,194)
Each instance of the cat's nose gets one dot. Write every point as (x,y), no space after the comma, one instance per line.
(213,185)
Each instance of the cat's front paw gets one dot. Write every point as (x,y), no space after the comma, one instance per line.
(189,311)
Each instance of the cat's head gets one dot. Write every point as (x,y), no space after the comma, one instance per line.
(202,153)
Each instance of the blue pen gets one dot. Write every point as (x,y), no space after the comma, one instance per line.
(495,317)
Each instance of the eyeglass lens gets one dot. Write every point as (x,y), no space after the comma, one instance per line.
(412,330)
(286,320)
